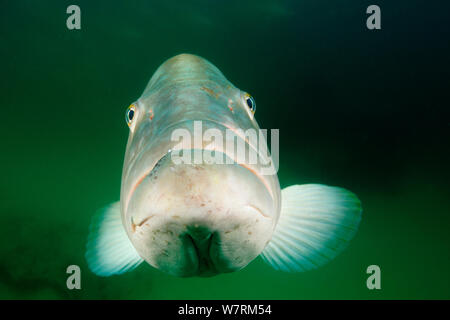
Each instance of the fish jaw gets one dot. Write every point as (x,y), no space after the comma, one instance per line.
(199,219)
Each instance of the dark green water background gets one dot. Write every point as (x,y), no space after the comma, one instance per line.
(365,110)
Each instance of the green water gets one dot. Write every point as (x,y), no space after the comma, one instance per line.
(365,110)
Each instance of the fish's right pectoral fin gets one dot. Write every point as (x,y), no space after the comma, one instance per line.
(316,223)
(109,251)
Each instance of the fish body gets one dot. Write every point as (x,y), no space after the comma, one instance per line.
(200,217)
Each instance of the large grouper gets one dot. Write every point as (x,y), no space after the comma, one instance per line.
(206,218)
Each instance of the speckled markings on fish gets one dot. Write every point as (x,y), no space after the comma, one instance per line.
(206,219)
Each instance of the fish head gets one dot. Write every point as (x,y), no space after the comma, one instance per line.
(189,207)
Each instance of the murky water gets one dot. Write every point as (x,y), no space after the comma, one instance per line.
(365,110)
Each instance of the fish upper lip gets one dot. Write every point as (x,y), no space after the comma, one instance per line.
(150,171)
(222,124)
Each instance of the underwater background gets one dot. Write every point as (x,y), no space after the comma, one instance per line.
(362,109)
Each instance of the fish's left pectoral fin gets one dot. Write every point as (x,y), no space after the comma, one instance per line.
(316,223)
(109,251)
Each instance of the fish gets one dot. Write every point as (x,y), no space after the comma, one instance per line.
(200,218)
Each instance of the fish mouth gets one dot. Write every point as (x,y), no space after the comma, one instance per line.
(152,172)
(147,156)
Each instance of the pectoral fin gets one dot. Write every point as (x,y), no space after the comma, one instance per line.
(109,250)
(316,223)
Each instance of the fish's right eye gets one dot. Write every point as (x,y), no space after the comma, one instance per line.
(249,103)
(130,114)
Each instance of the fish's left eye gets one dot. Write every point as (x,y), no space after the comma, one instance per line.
(130,114)
(251,104)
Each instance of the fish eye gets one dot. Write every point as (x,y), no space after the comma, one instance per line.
(250,102)
(130,114)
